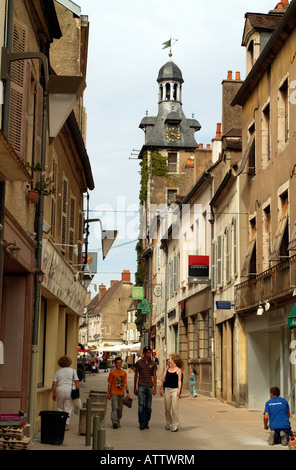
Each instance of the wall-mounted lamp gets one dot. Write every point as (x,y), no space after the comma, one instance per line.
(267,306)
(294,291)
(260,310)
(13,249)
(39,276)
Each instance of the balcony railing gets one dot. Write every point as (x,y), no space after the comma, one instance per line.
(275,284)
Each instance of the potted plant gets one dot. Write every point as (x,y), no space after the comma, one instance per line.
(44,186)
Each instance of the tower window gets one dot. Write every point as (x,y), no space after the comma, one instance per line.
(172,162)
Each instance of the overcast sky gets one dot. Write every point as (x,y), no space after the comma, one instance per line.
(124,57)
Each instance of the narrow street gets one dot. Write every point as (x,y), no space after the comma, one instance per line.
(205,424)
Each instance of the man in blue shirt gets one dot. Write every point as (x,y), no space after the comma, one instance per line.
(277,412)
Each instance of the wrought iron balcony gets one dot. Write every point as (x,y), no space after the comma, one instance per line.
(275,285)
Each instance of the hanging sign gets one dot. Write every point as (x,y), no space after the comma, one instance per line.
(137,293)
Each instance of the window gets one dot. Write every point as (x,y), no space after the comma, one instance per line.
(249,266)
(266,237)
(283,113)
(252,152)
(266,135)
(281,238)
(204,335)
(172,162)
(171,196)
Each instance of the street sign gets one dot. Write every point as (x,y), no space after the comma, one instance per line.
(223,304)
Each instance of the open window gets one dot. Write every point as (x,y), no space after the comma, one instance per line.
(249,266)
(281,238)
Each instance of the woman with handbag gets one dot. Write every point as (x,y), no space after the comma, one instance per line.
(65,387)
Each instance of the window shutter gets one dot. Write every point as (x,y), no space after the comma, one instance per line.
(214,265)
(72,228)
(19,93)
(38,112)
(235,270)
(64,213)
(219,259)
(228,253)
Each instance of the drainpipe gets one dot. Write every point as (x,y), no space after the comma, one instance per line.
(212,293)
(37,293)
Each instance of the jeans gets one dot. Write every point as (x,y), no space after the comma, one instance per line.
(144,404)
(277,437)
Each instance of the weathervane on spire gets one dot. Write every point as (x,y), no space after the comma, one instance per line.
(169,44)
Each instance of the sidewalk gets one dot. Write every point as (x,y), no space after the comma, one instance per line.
(205,424)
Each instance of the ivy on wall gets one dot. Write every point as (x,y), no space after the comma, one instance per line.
(156,167)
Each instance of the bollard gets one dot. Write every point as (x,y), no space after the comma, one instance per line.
(96,425)
(101,439)
(108,447)
(88,422)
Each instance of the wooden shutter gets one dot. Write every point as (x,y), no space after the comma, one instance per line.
(72,228)
(19,93)
(38,113)
(279,233)
(219,260)
(64,214)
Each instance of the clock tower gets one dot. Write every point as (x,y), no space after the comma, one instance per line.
(170,135)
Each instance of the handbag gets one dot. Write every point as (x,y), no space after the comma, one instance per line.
(128,402)
(74,391)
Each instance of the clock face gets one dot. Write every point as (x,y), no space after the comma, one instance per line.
(173,133)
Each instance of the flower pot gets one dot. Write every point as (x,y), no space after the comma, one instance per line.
(33,196)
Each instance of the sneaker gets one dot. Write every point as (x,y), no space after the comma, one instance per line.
(271,438)
(167,427)
(115,425)
(284,440)
(174,429)
(142,426)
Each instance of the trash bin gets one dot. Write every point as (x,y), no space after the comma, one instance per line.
(53,426)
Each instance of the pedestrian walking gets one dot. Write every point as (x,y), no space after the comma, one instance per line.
(117,383)
(192,383)
(63,382)
(171,384)
(277,414)
(145,386)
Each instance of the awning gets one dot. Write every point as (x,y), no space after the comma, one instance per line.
(292,318)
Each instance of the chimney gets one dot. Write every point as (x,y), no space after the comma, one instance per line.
(102,290)
(126,275)
(218,131)
(229,75)
(231,115)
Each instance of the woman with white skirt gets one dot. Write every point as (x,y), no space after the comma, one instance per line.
(62,385)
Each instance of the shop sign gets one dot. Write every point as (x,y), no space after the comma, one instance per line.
(198,269)
(292,318)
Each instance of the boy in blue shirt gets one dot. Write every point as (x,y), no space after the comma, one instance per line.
(277,412)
